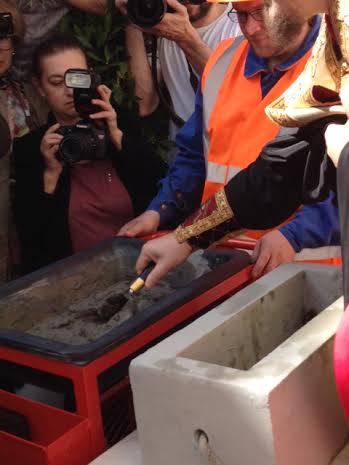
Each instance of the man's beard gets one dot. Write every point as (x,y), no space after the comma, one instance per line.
(283,24)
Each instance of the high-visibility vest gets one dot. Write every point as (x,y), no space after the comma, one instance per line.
(235,126)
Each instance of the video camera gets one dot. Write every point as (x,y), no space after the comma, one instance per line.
(148,13)
(86,140)
(6,26)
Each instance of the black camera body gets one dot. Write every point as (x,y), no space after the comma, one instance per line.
(148,13)
(84,141)
(6,26)
(87,140)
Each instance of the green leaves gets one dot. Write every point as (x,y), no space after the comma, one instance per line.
(103,40)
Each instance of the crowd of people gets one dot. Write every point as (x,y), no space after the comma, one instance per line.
(223,64)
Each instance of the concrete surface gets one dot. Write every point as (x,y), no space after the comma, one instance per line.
(126,452)
(253,375)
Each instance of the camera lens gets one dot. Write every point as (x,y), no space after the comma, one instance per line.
(76,147)
(69,149)
(146,13)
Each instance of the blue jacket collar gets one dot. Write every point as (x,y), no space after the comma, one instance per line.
(255,64)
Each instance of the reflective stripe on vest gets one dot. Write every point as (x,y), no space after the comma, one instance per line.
(213,84)
(228,150)
(320,253)
(220,173)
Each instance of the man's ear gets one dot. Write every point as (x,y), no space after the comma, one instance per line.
(37,85)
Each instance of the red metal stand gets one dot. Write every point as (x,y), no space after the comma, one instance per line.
(57,437)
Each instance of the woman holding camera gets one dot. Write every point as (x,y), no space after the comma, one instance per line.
(61,208)
(19,112)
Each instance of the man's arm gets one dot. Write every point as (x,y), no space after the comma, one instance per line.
(140,70)
(181,190)
(97,7)
(139,67)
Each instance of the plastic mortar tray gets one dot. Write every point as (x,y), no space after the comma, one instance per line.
(52,312)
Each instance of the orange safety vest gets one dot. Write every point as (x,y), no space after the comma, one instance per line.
(235,126)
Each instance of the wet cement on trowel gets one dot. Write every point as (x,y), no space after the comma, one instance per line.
(80,323)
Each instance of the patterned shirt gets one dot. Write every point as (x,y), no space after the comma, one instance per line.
(18,111)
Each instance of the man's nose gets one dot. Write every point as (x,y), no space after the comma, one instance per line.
(252,26)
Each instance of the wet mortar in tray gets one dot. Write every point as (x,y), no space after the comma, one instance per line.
(80,306)
(87,320)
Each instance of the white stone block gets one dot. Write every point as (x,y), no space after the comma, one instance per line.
(125,452)
(253,374)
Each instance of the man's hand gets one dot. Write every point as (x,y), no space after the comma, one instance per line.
(176,25)
(49,148)
(166,252)
(271,251)
(146,223)
(108,115)
(336,136)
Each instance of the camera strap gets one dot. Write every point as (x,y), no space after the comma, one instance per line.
(193,78)
(28,109)
(167,105)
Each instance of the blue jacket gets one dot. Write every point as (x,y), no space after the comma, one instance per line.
(181,191)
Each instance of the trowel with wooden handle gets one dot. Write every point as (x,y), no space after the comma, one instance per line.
(116,303)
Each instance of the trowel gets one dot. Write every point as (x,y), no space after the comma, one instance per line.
(115,303)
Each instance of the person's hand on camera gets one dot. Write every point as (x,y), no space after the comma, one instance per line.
(146,223)
(49,149)
(175,26)
(108,115)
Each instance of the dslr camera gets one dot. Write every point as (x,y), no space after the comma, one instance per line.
(148,13)
(6,26)
(87,140)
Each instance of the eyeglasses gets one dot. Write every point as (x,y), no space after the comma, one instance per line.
(242,16)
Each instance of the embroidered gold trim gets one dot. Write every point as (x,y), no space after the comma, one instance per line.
(222,213)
